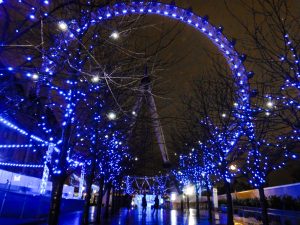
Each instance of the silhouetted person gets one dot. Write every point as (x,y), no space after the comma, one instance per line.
(7,184)
(156,204)
(129,200)
(126,201)
(144,203)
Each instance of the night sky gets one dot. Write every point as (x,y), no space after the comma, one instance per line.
(176,80)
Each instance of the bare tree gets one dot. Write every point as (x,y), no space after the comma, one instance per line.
(272,43)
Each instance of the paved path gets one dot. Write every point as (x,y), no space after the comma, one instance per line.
(126,217)
(136,217)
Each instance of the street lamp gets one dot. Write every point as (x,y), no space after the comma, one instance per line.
(234,168)
(173,197)
(189,190)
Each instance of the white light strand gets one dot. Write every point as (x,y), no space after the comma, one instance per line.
(21,165)
(21,131)
(22,146)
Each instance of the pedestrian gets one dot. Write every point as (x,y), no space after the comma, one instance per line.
(156,204)
(7,184)
(144,203)
(129,200)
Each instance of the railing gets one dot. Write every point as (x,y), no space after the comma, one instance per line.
(276,216)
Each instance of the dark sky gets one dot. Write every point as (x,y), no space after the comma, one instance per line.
(176,80)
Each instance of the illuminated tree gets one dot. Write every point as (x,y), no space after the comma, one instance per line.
(56,50)
(213,107)
(272,39)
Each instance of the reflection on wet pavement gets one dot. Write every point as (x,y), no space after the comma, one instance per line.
(136,217)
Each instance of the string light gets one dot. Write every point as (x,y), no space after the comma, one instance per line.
(21,165)
(22,146)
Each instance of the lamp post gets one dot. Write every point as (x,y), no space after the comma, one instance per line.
(173,199)
(189,190)
(233,168)
(208,196)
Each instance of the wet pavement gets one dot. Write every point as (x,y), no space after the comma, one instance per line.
(162,217)
(127,217)
(136,217)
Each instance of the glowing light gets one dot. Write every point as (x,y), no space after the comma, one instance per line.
(35,76)
(173,197)
(189,190)
(115,35)
(233,167)
(95,79)
(17,177)
(111,115)
(270,104)
(21,165)
(62,26)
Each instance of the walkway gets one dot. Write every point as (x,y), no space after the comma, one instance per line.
(136,217)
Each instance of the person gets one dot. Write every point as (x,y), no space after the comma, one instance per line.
(144,203)
(7,184)
(128,201)
(156,204)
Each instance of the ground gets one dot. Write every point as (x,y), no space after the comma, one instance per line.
(136,217)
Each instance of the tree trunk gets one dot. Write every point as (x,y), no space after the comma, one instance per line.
(89,182)
(263,205)
(118,200)
(99,201)
(188,203)
(86,209)
(181,203)
(56,196)
(59,179)
(209,205)
(113,198)
(197,204)
(229,204)
(107,201)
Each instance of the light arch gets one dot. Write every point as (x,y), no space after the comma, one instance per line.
(201,24)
